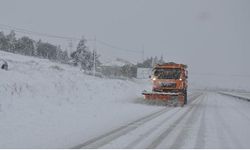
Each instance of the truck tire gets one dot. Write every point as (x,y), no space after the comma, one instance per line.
(185,97)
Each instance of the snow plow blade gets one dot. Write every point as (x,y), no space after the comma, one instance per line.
(170,99)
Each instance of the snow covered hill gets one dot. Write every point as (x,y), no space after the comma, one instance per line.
(51,105)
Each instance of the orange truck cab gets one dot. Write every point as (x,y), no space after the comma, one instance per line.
(169,79)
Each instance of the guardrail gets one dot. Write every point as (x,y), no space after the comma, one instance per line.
(236,96)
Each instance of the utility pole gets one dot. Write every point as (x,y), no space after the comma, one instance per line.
(142,53)
(94,56)
(153,62)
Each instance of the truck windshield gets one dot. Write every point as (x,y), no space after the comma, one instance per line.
(167,73)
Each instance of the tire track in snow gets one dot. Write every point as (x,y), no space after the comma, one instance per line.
(123,130)
(144,137)
(106,138)
(200,139)
(135,142)
(173,126)
(187,126)
(192,97)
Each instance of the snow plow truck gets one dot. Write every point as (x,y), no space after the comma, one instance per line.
(169,84)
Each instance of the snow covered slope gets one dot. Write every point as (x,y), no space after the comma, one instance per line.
(50,105)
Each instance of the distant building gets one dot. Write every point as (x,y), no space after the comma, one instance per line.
(111,71)
(143,73)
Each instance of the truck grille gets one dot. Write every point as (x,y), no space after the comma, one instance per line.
(169,85)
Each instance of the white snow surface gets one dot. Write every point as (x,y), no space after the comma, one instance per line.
(45,104)
(51,105)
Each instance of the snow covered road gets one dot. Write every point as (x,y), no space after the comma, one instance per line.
(210,120)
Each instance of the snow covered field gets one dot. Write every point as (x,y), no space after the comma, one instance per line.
(51,105)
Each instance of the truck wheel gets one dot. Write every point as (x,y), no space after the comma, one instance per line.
(185,97)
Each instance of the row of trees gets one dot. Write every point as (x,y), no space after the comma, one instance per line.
(130,70)
(82,56)
(27,46)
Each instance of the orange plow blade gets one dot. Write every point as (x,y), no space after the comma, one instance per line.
(171,99)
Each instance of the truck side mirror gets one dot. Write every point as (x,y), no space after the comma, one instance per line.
(186,74)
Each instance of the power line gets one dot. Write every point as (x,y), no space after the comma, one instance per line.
(116,47)
(29,32)
(25,31)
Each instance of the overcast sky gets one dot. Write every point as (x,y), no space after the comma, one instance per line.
(208,35)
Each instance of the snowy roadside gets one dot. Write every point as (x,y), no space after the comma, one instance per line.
(50,105)
(240,95)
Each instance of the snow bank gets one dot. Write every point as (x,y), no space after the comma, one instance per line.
(50,105)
